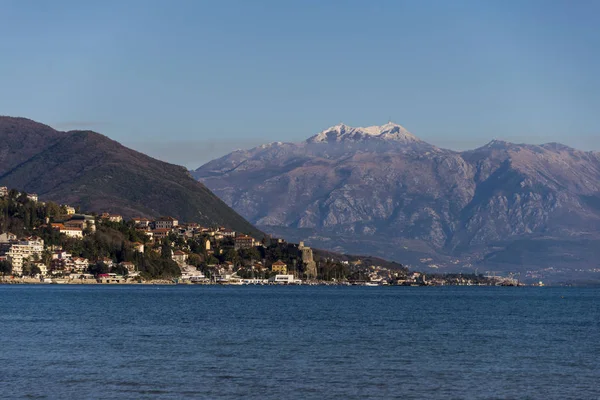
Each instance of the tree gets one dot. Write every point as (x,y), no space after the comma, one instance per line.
(53,210)
(212,260)
(231,255)
(34,270)
(250,254)
(23,198)
(165,251)
(31,269)
(98,268)
(195,260)
(120,270)
(13,194)
(47,257)
(5,268)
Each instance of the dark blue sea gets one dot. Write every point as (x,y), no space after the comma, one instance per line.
(174,342)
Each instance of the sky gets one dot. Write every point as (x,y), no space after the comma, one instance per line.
(189,81)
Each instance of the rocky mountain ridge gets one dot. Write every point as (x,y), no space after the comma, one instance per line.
(382,191)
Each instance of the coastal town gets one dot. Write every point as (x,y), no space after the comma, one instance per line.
(43,242)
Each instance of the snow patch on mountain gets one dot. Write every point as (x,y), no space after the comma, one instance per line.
(343,133)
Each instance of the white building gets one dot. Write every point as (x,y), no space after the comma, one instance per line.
(139,247)
(25,249)
(141,222)
(43,269)
(61,255)
(226,232)
(69,210)
(129,266)
(72,232)
(115,218)
(190,273)
(284,279)
(79,264)
(180,257)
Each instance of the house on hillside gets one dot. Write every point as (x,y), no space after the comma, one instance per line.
(139,247)
(7,237)
(71,229)
(146,232)
(61,255)
(141,222)
(42,267)
(226,232)
(243,242)
(160,233)
(180,257)
(257,266)
(128,265)
(71,232)
(82,221)
(69,210)
(111,217)
(107,261)
(78,264)
(165,223)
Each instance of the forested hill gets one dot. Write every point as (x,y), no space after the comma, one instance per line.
(87,169)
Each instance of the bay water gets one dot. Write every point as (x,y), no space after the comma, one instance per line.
(254,342)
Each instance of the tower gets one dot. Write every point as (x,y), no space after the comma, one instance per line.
(308,261)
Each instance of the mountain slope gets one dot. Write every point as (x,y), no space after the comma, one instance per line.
(382,191)
(90,170)
(22,139)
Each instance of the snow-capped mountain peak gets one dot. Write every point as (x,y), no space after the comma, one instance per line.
(343,133)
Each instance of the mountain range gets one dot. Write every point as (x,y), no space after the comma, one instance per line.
(380,190)
(87,169)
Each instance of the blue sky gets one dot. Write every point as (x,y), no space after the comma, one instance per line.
(187,81)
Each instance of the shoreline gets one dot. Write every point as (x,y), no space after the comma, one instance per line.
(84,282)
(171,283)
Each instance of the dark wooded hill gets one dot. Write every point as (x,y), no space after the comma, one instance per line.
(87,169)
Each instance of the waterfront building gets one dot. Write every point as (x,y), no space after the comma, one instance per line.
(24,249)
(284,279)
(280,267)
